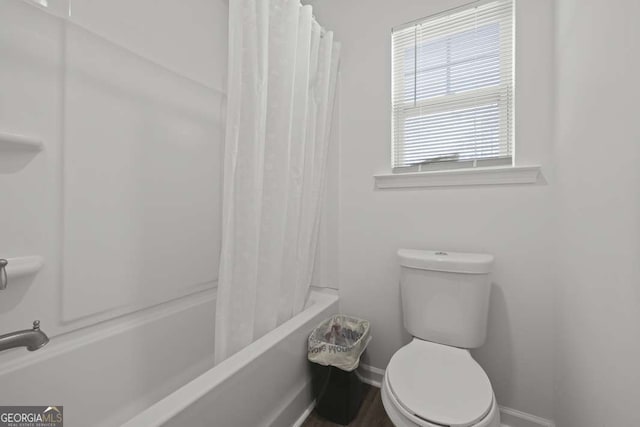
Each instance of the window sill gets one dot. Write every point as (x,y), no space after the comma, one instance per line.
(460,177)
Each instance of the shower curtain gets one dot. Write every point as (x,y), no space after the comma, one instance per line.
(281,89)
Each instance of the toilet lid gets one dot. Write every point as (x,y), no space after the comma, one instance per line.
(440,384)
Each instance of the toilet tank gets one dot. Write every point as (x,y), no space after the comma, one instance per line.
(445,296)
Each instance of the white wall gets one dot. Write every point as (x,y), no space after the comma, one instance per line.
(598,199)
(511,222)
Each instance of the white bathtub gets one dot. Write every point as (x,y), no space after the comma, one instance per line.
(106,373)
(265,384)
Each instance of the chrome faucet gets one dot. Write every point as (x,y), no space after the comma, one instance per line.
(33,338)
(3,274)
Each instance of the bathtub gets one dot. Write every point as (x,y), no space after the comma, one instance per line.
(265,384)
(105,374)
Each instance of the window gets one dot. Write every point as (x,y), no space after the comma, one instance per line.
(453,85)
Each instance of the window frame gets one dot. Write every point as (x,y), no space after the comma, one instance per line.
(501,94)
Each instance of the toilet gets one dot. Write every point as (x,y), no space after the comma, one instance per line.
(433,381)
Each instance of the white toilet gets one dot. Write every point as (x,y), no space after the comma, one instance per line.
(433,381)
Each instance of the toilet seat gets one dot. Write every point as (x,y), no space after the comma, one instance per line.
(439,385)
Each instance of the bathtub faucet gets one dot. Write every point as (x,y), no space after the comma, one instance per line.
(33,339)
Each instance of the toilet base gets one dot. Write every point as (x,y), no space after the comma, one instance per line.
(400,419)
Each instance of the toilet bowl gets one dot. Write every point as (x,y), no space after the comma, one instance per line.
(433,385)
(433,381)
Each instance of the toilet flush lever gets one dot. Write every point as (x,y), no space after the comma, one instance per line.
(3,274)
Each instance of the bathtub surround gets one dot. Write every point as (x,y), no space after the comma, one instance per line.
(126,95)
(115,199)
(281,89)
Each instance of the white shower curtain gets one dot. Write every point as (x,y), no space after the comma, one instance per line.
(281,88)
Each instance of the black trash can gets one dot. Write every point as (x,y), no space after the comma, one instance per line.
(338,393)
(334,350)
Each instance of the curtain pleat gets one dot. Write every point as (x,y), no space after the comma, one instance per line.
(281,86)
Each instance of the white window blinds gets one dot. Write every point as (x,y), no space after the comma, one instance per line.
(453,88)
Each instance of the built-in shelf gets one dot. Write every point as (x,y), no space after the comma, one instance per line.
(23,266)
(14,142)
(498,175)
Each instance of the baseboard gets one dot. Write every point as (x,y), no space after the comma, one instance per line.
(514,418)
(370,375)
(508,417)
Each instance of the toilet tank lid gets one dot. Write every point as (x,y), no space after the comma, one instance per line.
(452,262)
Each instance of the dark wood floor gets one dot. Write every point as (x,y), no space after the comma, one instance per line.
(371,413)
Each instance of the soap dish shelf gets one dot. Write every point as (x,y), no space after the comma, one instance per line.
(14,142)
(17,267)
